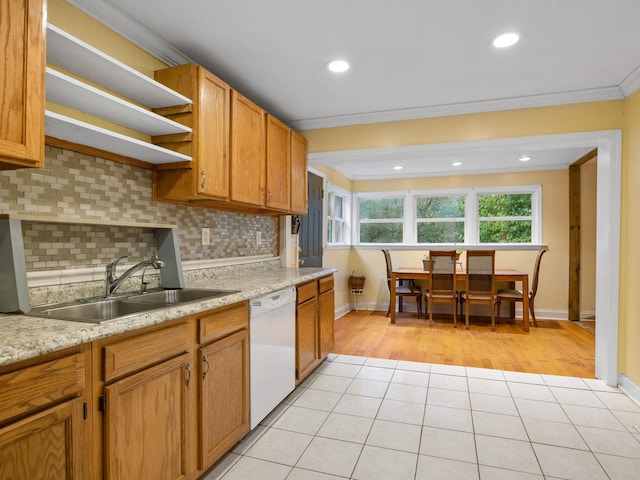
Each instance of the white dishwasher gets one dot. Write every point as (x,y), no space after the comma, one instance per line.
(272,345)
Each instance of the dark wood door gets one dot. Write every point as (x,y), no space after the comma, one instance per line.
(310,235)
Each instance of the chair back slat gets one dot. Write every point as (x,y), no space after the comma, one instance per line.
(480,270)
(387,258)
(442,270)
(536,272)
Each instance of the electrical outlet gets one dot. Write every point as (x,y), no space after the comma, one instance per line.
(206,237)
(258,238)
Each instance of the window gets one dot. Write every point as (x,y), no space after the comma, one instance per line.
(473,216)
(440,219)
(338,208)
(381,219)
(505,218)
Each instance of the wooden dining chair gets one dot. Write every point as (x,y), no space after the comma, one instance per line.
(409,289)
(442,282)
(512,295)
(480,283)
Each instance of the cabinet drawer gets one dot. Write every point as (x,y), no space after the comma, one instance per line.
(40,385)
(223,321)
(145,349)
(325,284)
(307,291)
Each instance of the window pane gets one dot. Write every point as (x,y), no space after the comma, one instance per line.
(506,205)
(330,231)
(339,231)
(440,207)
(441,232)
(506,231)
(381,208)
(381,232)
(338,208)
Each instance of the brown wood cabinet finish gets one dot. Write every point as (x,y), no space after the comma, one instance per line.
(224,392)
(44,432)
(315,317)
(22,67)
(46,445)
(278,165)
(144,423)
(248,151)
(208,144)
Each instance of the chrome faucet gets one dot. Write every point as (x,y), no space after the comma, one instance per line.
(112,281)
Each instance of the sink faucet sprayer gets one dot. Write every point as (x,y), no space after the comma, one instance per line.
(112,281)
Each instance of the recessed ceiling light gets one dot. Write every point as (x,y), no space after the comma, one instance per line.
(337,66)
(398,167)
(524,158)
(506,40)
(456,164)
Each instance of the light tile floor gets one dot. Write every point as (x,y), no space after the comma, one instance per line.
(372,419)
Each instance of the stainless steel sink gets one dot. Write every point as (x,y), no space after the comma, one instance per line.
(183,295)
(99,310)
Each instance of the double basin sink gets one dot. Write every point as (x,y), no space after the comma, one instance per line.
(98,310)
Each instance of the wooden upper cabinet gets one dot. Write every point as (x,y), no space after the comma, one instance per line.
(22,66)
(248,151)
(278,164)
(208,174)
(298,174)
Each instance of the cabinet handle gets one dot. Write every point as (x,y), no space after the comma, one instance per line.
(262,193)
(269,195)
(203,177)
(204,372)
(188,379)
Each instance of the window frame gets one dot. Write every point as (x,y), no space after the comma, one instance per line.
(344,222)
(471,216)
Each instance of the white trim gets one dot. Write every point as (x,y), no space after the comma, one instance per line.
(342,311)
(629,388)
(533,101)
(609,172)
(132,30)
(632,83)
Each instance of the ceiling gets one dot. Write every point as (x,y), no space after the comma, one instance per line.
(409,58)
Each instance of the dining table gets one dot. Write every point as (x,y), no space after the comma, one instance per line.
(510,276)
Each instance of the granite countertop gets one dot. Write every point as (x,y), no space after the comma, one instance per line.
(23,337)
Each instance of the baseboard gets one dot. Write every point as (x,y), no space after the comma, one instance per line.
(630,389)
(342,311)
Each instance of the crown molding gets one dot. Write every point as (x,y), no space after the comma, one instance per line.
(484,106)
(632,83)
(131,29)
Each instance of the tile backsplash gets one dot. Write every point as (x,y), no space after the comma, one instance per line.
(81,186)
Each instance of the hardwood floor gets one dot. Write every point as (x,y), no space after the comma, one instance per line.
(554,347)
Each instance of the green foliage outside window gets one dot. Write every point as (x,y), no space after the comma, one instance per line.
(498,228)
(438,208)
(381,209)
(381,232)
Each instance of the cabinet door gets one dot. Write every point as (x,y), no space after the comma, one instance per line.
(224,402)
(22,63)
(278,164)
(213,136)
(298,174)
(326,322)
(144,423)
(306,338)
(45,446)
(248,151)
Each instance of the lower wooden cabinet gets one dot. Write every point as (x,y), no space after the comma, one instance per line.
(224,405)
(43,419)
(315,316)
(174,397)
(46,445)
